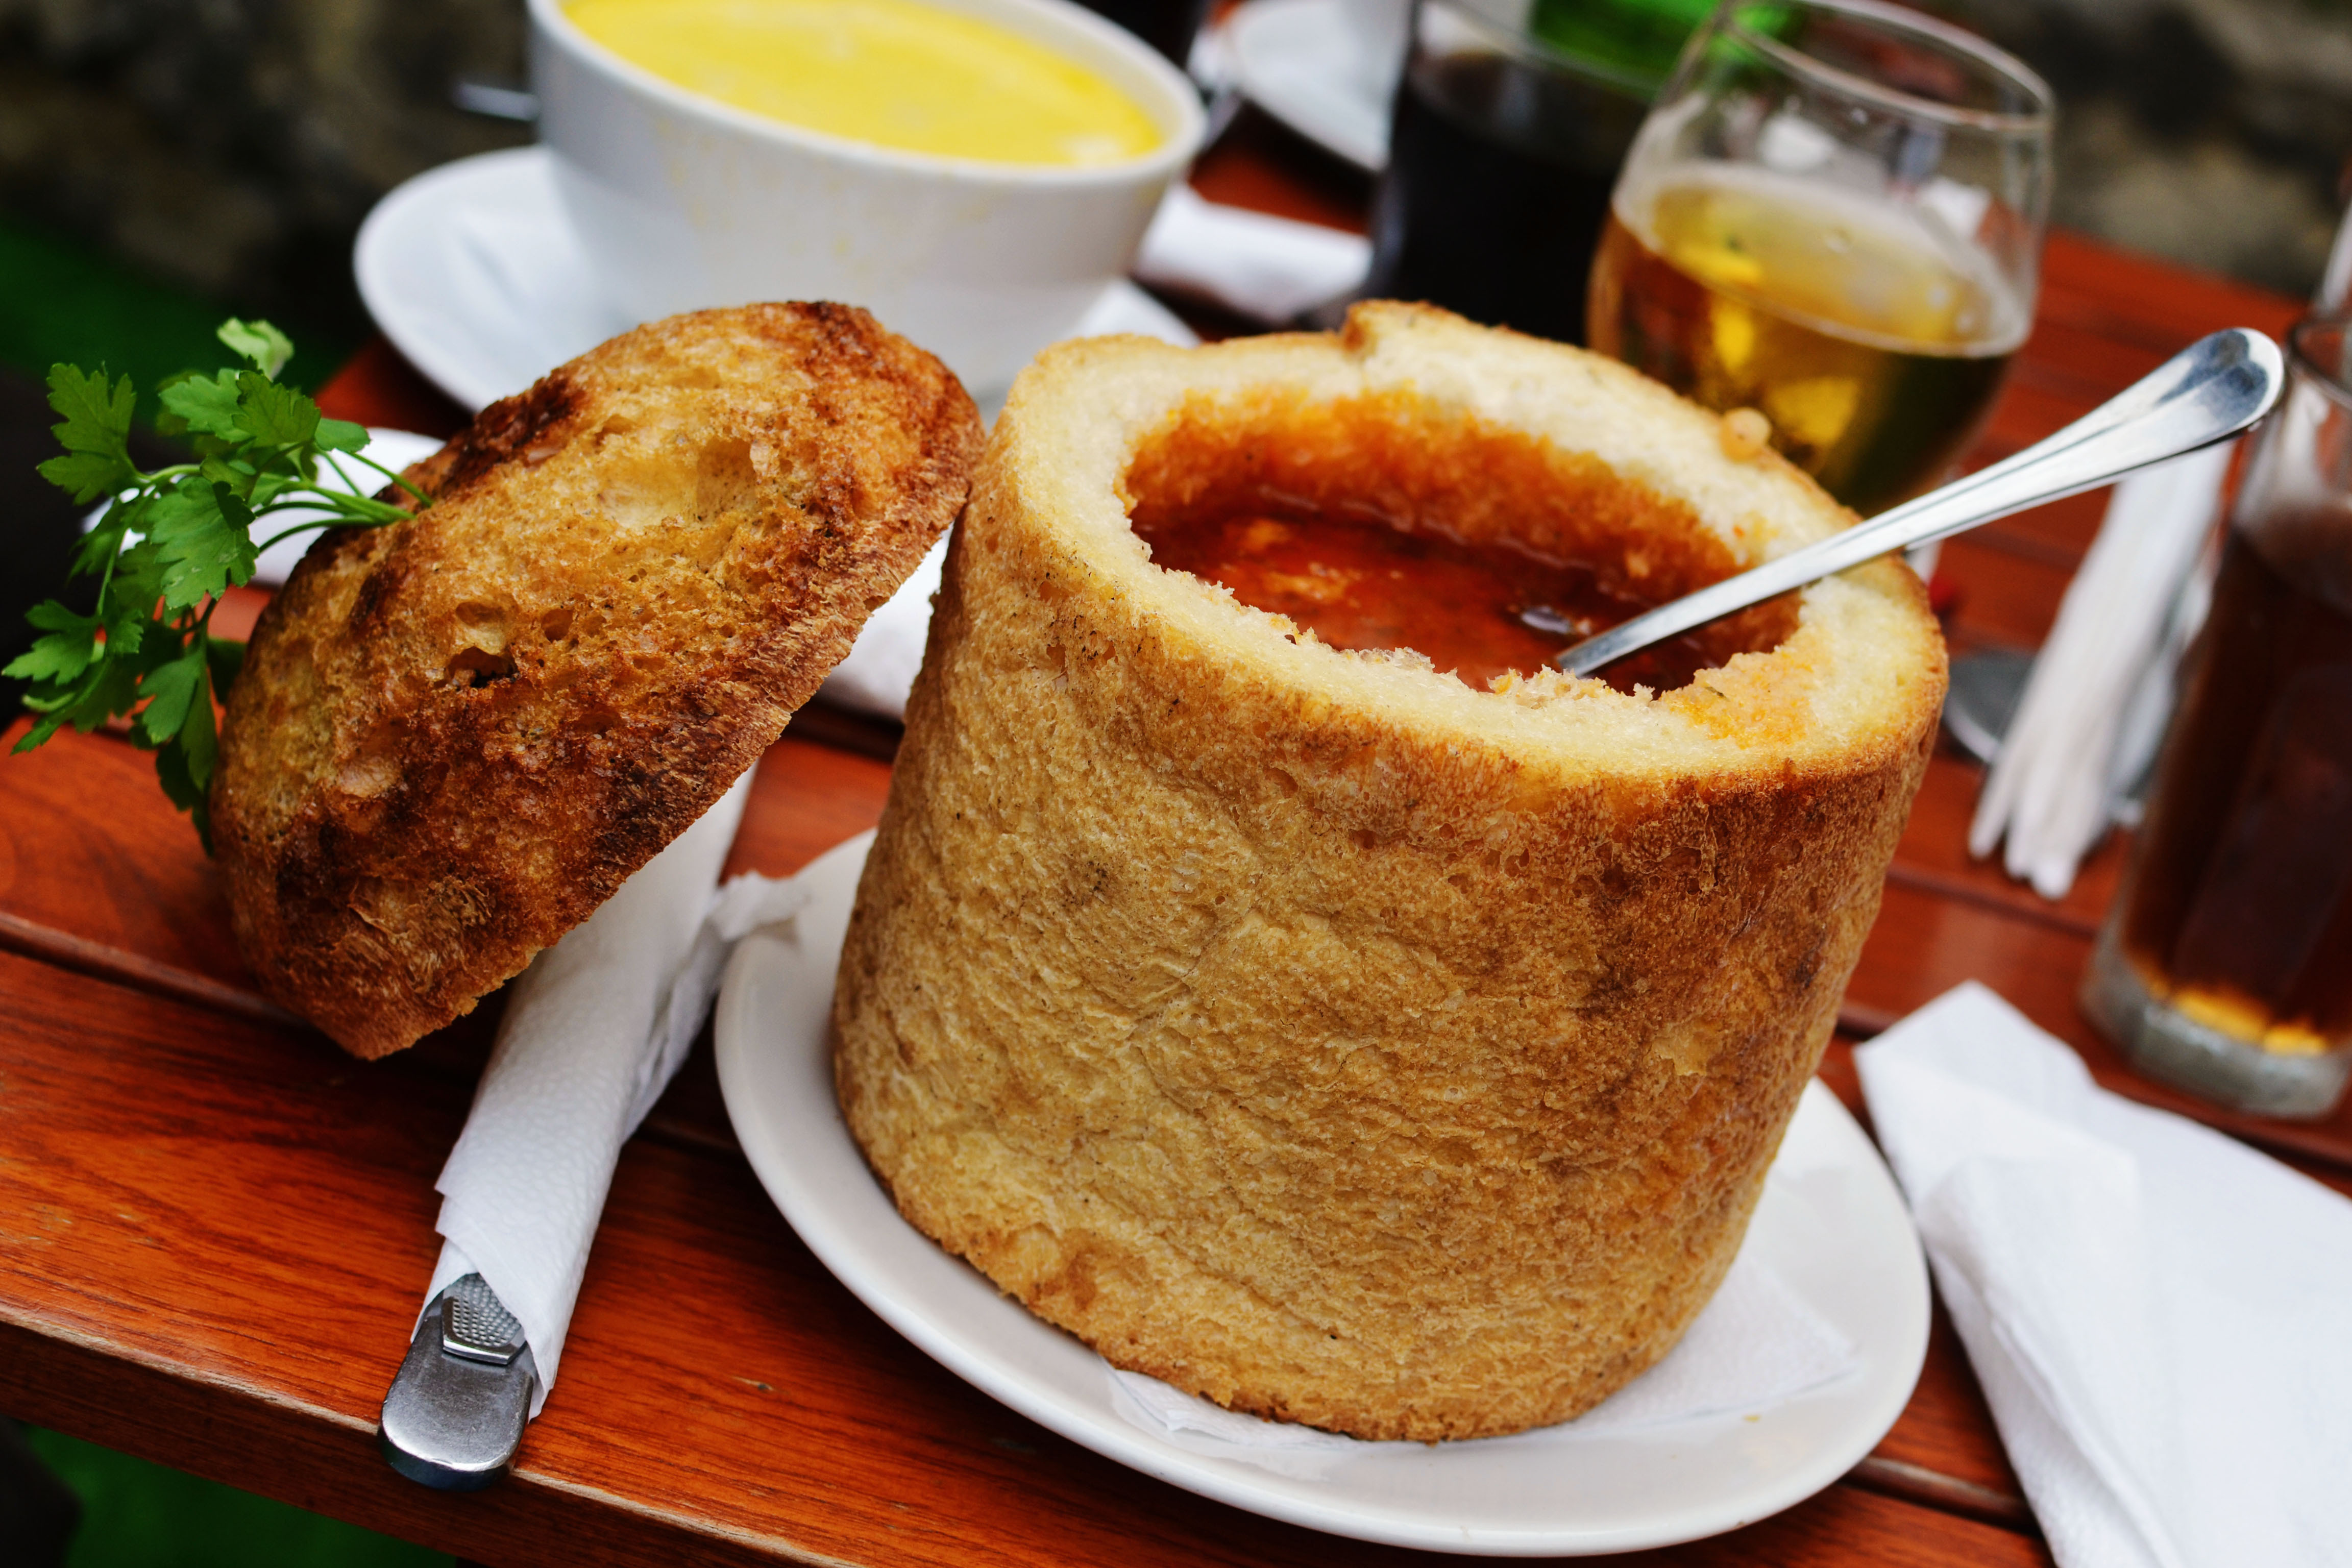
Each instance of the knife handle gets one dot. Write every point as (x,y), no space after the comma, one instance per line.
(457,1406)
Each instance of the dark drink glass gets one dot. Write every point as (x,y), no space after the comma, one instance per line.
(1502,155)
(1168,25)
(2226,964)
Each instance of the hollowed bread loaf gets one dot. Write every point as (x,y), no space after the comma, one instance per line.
(455,737)
(1304,1027)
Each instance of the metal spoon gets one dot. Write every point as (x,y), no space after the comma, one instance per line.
(2207,393)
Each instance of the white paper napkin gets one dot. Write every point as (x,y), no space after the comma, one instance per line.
(2096,706)
(593,1031)
(2160,1315)
(1756,1343)
(1266,268)
(880,669)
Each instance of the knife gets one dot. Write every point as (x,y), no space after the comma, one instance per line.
(457,1406)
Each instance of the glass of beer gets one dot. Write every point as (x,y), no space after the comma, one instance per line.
(1832,216)
(2225,965)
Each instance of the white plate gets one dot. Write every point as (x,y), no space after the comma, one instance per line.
(1296,60)
(474,273)
(1831,1224)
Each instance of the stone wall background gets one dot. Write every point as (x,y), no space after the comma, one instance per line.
(234,145)
(2211,131)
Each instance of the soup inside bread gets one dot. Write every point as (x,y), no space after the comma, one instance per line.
(1379,522)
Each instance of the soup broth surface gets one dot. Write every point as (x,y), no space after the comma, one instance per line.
(894,73)
(1478,611)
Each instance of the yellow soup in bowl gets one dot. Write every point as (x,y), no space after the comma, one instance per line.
(894,73)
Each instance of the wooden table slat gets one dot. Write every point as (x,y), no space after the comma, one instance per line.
(712,1360)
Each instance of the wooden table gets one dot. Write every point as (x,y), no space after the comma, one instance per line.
(215,1227)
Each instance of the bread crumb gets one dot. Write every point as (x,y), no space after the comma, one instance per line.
(1546,685)
(1396,657)
(1745,434)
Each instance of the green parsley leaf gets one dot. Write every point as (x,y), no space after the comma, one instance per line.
(174,770)
(169,689)
(267,348)
(227,657)
(234,474)
(110,686)
(128,604)
(94,423)
(172,542)
(204,540)
(199,736)
(72,642)
(103,543)
(339,436)
(206,404)
(275,416)
(87,475)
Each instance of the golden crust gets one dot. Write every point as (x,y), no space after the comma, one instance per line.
(1304,1027)
(455,737)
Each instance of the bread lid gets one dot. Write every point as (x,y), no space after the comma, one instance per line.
(453,738)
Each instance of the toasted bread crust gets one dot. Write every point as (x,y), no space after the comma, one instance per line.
(453,738)
(1304,1027)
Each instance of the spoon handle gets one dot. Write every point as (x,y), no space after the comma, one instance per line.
(2207,393)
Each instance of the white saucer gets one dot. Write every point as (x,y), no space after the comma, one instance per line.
(1831,1224)
(473,272)
(1296,60)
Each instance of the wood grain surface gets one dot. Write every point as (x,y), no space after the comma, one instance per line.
(217,1258)
(214,1227)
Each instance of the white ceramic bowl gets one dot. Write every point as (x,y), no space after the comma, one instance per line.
(682,202)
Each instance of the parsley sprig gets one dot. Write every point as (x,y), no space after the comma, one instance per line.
(173,540)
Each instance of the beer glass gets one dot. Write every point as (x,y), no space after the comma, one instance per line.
(1832,216)
(2225,965)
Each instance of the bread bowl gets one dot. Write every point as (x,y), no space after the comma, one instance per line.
(1307,1027)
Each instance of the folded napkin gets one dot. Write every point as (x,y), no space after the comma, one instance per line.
(2335,291)
(594,1030)
(1266,268)
(2158,1314)
(2095,707)
(880,669)
(1756,1343)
